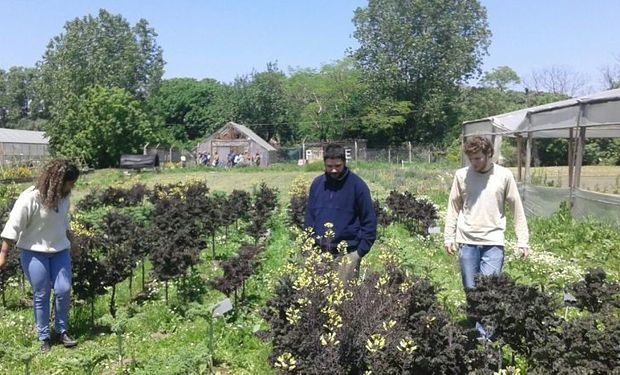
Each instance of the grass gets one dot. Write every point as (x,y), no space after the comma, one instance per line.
(173,339)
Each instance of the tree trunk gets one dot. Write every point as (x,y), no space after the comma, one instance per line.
(143,260)
(92,312)
(112,307)
(130,283)
(213,244)
(166,289)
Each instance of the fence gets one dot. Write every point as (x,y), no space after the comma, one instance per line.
(386,154)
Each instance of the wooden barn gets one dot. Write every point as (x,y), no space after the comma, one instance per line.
(239,139)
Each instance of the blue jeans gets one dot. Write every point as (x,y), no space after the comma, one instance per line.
(479,259)
(45,271)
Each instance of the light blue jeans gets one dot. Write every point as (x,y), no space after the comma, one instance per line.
(479,259)
(45,271)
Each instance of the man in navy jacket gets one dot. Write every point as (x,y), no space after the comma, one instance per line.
(342,198)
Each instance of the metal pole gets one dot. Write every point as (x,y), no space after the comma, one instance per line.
(519,158)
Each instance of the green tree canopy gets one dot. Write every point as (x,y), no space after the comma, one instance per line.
(329,103)
(19,99)
(259,101)
(99,126)
(500,78)
(420,51)
(190,109)
(105,51)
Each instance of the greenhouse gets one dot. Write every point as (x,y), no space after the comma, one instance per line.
(578,119)
(18,147)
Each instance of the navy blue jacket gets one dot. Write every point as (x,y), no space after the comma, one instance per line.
(346,203)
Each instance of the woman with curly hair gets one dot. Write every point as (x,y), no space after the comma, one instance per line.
(39,227)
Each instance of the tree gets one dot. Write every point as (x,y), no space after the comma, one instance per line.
(328,103)
(188,108)
(105,51)
(100,125)
(558,80)
(500,78)
(20,104)
(420,51)
(611,75)
(260,102)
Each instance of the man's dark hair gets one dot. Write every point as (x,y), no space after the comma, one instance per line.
(334,151)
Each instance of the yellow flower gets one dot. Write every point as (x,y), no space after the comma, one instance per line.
(407,345)
(389,325)
(328,339)
(375,343)
(286,361)
(292,315)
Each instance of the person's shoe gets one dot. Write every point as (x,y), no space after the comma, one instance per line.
(45,346)
(67,341)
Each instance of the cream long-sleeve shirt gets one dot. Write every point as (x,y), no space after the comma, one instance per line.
(34,227)
(476,208)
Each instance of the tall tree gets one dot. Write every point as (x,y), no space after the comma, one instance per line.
(105,51)
(420,51)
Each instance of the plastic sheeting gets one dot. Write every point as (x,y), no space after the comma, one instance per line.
(541,200)
(544,201)
(600,113)
(603,207)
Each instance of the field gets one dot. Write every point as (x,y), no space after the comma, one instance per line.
(151,335)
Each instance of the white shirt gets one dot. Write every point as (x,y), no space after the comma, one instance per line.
(34,227)
(476,208)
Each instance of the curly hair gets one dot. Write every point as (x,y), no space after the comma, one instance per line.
(478,144)
(52,179)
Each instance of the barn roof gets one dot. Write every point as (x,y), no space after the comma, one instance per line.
(23,136)
(245,130)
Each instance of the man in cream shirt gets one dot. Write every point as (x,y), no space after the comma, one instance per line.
(476,219)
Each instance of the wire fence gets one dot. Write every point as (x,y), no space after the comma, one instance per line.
(387,154)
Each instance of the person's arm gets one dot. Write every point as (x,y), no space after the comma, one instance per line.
(367,219)
(18,221)
(309,218)
(520,222)
(455,204)
(4,251)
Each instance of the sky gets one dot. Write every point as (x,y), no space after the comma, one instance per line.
(227,38)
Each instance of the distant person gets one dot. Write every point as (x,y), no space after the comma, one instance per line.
(38,227)
(230,159)
(216,159)
(257,159)
(476,219)
(342,198)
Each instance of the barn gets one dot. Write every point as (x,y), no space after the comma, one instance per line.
(239,139)
(22,146)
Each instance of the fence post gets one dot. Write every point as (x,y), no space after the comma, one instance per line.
(409,147)
(389,154)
